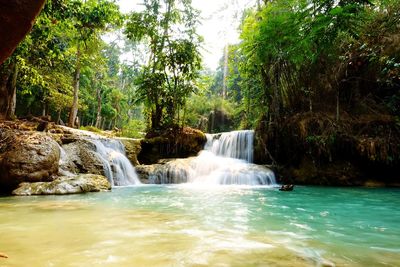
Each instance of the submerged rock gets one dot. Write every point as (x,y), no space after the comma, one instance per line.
(65,185)
(27,157)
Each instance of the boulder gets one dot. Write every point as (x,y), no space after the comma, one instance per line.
(27,157)
(65,185)
(16,20)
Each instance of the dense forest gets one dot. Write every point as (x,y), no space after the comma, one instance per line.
(318,76)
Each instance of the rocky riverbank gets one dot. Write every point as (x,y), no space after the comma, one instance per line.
(40,157)
(54,160)
(316,149)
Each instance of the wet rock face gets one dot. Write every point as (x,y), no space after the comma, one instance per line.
(27,157)
(65,185)
(16,19)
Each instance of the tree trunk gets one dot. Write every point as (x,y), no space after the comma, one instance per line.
(6,90)
(58,117)
(156,117)
(98,116)
(337,105)
(13,95)
(44,109)
(74,108)
(226,72)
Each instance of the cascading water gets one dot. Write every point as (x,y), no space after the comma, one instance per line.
(237,144)
(117,168)
(226,159)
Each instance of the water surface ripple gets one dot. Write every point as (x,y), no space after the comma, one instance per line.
(210,226)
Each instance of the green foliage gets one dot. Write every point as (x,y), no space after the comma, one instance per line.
(295,55)
(134,129)
(91,129)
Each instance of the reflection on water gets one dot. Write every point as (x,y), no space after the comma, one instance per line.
(188,226)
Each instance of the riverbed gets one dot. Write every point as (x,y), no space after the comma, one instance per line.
(188,225)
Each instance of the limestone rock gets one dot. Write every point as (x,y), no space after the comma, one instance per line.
(65,185)
(27,157)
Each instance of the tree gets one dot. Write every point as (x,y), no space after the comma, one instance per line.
(287,44)
(168,29)
(89,19)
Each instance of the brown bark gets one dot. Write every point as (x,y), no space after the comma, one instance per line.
(13,93)
(156,117)
(6,94)
(16,20)
(74,108)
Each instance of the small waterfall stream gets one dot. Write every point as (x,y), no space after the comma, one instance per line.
(117,167)
(226,159)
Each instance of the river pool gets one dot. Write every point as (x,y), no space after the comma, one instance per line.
(184,225)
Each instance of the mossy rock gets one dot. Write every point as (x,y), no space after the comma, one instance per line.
(171,143)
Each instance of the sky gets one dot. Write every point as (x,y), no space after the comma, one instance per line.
(220,20)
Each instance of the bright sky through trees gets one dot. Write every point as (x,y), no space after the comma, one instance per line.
(220,20)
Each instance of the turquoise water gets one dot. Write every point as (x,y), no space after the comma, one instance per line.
(214,226)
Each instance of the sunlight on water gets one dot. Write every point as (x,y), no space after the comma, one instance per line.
(189,226)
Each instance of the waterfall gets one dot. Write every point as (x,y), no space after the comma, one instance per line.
(225,160)
(237,144)
(117,167)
